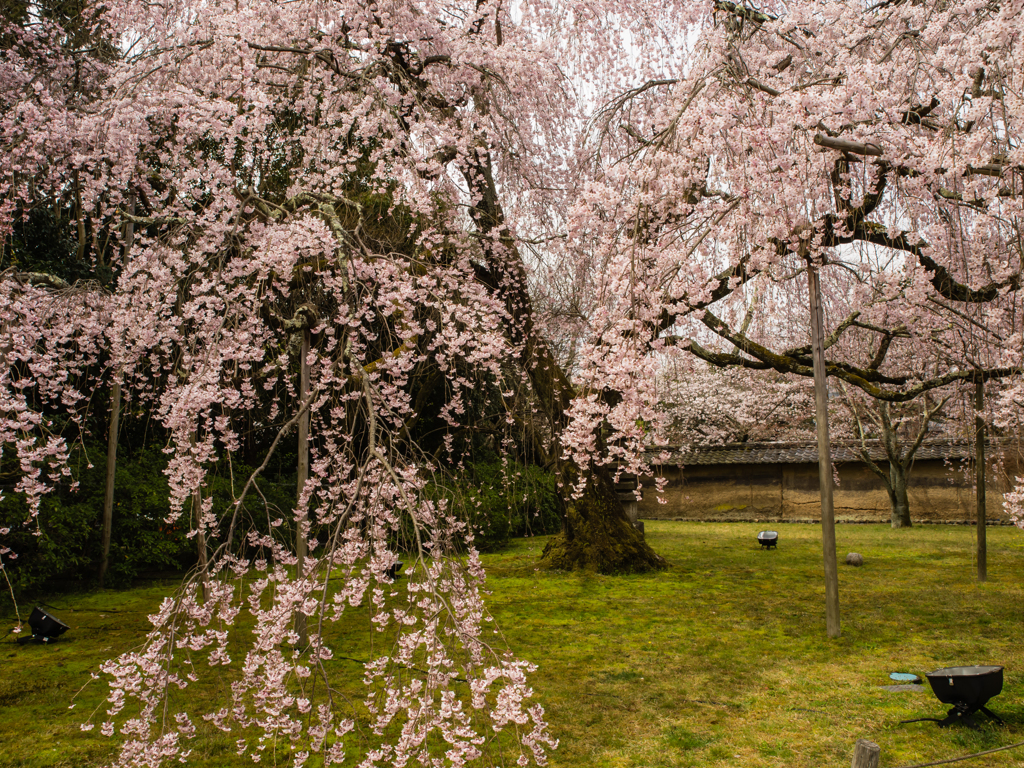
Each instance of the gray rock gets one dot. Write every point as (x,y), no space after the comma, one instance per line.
(854,559)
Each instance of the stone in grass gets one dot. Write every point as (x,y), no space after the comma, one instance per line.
(854,559)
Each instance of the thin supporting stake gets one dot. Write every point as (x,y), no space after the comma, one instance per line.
(979,475)
(303,473)
(201,549)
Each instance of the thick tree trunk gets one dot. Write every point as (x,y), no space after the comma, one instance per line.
(898,499)
(596,533)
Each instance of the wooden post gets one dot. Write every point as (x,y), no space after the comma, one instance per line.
(204,565)
(115,413)
(979,475)
(866,754)
(303,473)
(197,519)
(79,215)
(828,522)
(108,496)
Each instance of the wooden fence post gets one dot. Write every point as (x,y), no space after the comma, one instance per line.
(866,754)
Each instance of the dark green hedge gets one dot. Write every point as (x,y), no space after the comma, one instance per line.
(502,501)
(62,549)
(67,550)
(499,502)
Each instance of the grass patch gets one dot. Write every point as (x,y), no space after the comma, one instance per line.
(722,658)
(719,660)
(682,739)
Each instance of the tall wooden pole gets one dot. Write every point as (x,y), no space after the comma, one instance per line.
(828,521)
(201,550)
(108,496)
(303,473)
(204,564)
(979,475)
(115,414)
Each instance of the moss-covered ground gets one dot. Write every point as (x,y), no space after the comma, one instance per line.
(721,659)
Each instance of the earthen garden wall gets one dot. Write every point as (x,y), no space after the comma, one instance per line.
(789,493)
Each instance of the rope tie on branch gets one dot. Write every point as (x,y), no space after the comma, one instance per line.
(966,757)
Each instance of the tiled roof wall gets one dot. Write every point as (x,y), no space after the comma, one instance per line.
(807,453)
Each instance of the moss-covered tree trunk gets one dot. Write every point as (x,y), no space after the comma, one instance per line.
(899,501)
(596,533)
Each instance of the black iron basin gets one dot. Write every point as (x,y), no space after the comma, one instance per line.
(972,686)
(45,625)
(768,539)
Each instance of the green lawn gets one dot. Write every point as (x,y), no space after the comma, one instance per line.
(721,659)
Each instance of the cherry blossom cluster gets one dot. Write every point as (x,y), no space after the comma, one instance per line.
(276,178)
(877,143)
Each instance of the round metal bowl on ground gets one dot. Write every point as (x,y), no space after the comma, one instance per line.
(768,539)
(45,628)
(972,685)
(967,690)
